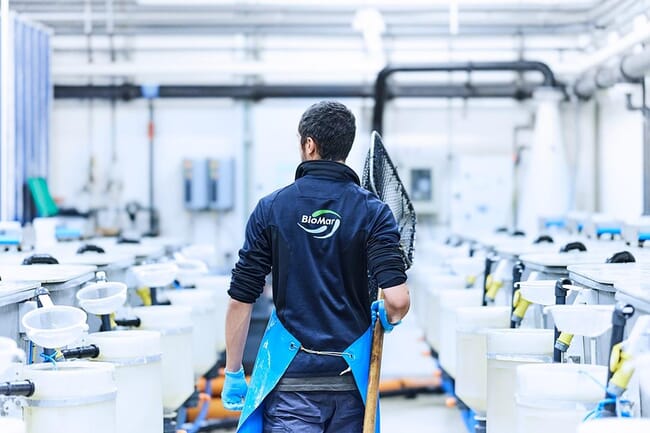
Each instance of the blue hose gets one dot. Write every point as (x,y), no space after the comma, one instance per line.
(203,413)
(600,412)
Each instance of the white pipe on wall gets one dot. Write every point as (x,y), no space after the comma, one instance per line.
(626,43)
(221,66)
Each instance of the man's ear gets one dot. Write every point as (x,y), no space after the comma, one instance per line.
(311,149)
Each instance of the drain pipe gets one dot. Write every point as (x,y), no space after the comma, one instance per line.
(381,83)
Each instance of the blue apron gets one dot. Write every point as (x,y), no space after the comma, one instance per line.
(277,350)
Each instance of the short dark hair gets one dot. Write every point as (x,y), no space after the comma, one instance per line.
(332,127)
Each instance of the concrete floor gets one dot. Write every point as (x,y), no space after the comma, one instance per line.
(406,355)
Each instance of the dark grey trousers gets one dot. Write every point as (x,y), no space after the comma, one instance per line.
(313,412)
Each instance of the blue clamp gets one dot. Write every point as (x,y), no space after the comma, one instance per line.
(150,91)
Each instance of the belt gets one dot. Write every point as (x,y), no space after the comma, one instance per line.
(329,383)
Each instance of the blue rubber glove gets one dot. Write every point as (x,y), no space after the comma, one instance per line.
(234,390)
(378,309)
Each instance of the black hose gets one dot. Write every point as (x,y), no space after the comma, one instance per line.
(133,323)
(621,257)
(573,246)
(40,259)
(91,351)
(23,388)
(92,248)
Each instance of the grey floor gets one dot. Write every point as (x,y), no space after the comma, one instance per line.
(405,356)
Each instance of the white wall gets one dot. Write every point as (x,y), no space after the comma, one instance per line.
(203,128)
(468,142)
(196,128)
(620,161)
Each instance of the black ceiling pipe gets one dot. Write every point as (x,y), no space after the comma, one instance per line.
(381,83)
(128,92)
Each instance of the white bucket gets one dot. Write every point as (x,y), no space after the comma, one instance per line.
(11,425)
(471,351)
(9,353)
(616,425)
(138,374)
(218,285)
(423,280)
(207,325)
(71,397)
(450,301)
(175,327)
(431,305)
(556,397)
(507,349)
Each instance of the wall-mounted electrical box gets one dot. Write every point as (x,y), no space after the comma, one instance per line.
(195,184)
(221,184)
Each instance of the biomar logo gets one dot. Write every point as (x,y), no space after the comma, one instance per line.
(328,223)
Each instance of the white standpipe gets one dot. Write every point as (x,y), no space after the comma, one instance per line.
(545,188)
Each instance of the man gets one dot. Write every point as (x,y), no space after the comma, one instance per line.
(320,237)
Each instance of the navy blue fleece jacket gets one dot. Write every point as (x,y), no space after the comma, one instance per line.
(320,237)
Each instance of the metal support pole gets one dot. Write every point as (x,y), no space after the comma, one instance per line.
(489,261)
(151,135)
(646,152)
(517,273)
(645,112)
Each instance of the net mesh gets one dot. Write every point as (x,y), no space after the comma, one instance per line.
(380,176)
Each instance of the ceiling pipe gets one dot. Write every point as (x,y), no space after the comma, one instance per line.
(630,68)
(622,45)
(381,83)
(128,92)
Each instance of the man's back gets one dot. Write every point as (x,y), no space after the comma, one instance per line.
(319,230)
(321,237)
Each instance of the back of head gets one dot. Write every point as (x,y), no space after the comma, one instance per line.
(331,125)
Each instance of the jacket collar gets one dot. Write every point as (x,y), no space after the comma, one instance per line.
(327,169)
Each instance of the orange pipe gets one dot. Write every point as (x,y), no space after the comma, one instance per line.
(215,411)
